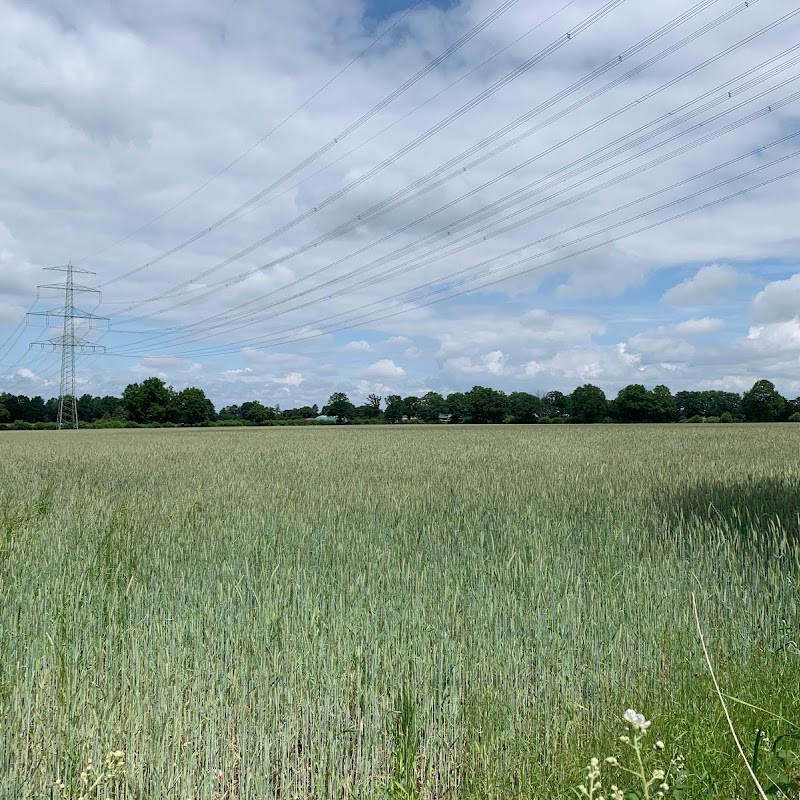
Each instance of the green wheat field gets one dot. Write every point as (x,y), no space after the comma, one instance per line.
(404,611)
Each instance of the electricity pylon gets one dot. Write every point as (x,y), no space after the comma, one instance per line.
(68,343)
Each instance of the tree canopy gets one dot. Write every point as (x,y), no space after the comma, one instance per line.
(339,406)
(763,402)
(153,402)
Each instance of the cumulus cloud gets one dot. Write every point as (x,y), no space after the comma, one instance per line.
(709,284)
(777,337)
(292,379)
(358,346)
(385,368)
(120,111)
(493,363)
(778,301)
(697,327)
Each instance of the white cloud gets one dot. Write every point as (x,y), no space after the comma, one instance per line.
(365,388)
(292,379)
(358,346)
(709,285)
(697,327)
(385,368)
(778,301)
(118,111)
(777,338)
(493,363)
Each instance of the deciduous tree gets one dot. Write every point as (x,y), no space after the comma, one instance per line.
(588,404)
(763,402)
(431,405)
(458,406)
(663,406)
(633,403)
(395,408)
(525,408)
(148,401)
(486,405)
(412,406)
(556,404)
(339,406)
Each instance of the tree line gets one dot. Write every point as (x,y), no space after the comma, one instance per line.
(153,402)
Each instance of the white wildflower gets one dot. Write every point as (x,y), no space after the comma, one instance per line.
(636,720)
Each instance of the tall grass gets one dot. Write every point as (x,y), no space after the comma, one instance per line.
(389,612)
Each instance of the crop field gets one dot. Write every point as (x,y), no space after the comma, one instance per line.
(391,611)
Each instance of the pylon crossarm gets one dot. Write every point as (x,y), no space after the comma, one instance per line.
(56,314)
(70,268)
(77,287)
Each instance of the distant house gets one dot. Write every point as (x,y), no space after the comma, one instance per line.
(325,418)
(440,417)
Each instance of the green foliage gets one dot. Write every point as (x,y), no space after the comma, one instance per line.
(525,408)
(663,406)
(395,408)
(795,417)
(339,406)
(486,405)
(708,404)
(458,406)
(588,404)
(255,412)
(148,401)
(191,407)
(763,403)
(432,404)
(555,404)
(24,409)
(777,764)
(633,404)
(371,410)
(153,403)
(412,406)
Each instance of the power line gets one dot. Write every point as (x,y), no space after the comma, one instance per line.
(408,193)
(469,220)
(223,349)
(263,139)
(431,65)
(464,242)
(671,119)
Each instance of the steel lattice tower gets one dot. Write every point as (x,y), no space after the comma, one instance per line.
(68,343)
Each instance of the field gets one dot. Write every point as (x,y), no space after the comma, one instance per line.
(390,611)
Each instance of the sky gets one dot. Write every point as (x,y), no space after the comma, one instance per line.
(283,200)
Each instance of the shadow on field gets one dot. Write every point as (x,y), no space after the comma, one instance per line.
(754,506)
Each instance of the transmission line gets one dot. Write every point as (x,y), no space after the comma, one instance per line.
(493,260)
(264,342)
(467,37)
(599,156)
(408,194)
(261,141)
